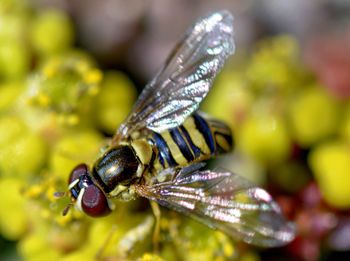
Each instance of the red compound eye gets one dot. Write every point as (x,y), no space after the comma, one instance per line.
(77,172)
(94,202)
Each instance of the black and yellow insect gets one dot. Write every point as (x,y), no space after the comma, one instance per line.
(158,151)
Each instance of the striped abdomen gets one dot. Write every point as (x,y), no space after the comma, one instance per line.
(197,139)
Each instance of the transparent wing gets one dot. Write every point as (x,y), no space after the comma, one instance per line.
(186,77)
(225,201)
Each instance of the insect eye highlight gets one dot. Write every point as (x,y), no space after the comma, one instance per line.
(94,202)
(77,172)
(78,181)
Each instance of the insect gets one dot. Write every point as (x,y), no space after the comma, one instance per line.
(158,152)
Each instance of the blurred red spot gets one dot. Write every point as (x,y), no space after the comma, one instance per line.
(329,58)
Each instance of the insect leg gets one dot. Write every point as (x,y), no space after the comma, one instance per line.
(135,235)
(156,232)
(99,254)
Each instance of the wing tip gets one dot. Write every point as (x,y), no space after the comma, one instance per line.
(226,15)
(286,234)
(224,19)
(222,16)
(280,238)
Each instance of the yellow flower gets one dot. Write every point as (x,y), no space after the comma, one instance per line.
(13,217)
(330,163)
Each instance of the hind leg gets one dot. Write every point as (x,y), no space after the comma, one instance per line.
(156,232)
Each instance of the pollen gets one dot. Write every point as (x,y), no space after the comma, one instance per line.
(49,70)
(227,246)
(72,119)
(63,220)
(93,76)
(43,100)
(151,257)
(33,191)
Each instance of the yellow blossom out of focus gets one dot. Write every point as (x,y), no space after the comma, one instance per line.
(17,53)
(13,221)
(9,93)
(314,108)
(51,32)
(270,135)
(274,63)
(64,80)
(113,102)
(77,147)
(331,164)
(18,145)
(345,126)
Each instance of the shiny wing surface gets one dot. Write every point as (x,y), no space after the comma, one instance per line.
(225,201)
(185,80)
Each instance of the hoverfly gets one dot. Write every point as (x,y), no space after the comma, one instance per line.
(157,153)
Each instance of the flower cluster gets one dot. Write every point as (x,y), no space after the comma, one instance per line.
(57,109)
(292,134)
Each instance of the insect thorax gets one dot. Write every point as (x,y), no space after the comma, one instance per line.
(121,166)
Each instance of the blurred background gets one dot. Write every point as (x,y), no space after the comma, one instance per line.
(70,70)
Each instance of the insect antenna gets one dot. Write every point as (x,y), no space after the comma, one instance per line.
(60,194)
(67,208)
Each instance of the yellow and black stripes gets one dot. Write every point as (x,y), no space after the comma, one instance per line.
(222,136)
(198,139)
(179,140)
(203,127)
(164,154)
(195,150)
